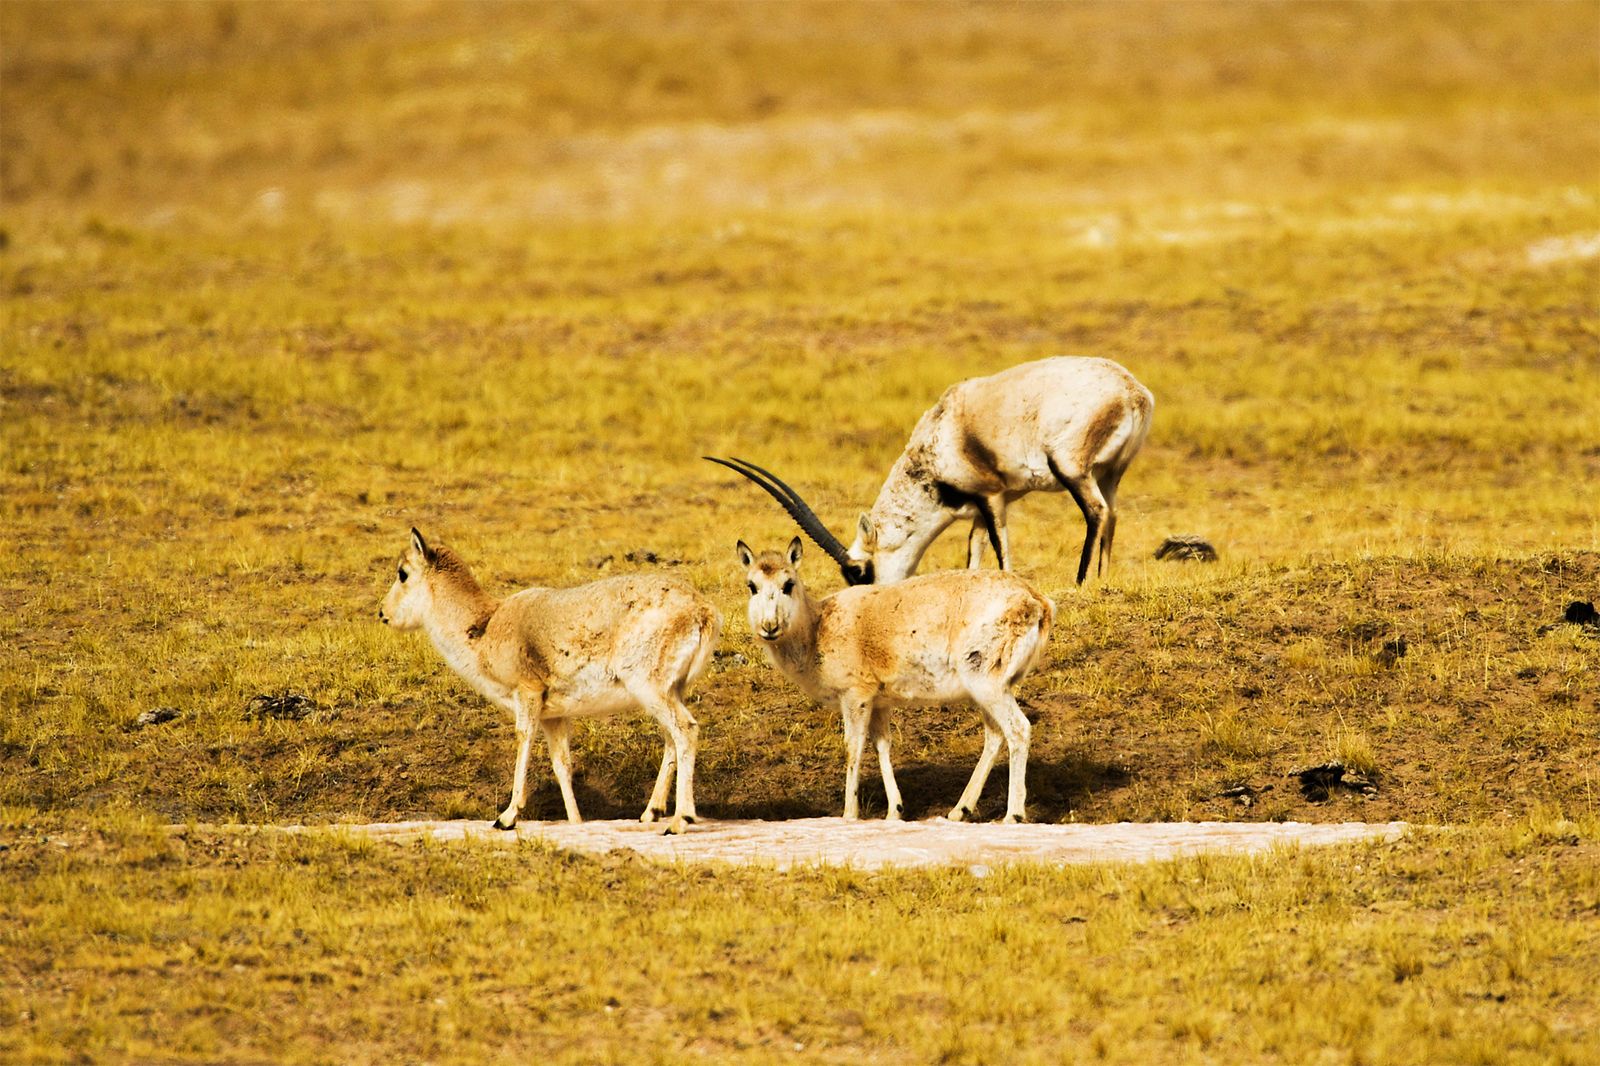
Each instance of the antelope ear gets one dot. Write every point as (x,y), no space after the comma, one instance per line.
(867,534)
(747,558)
(420,546)
(794,552)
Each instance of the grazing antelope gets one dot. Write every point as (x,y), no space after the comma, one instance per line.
(552,655)
(1065,423)
(928,641)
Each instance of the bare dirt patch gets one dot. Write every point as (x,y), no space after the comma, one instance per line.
(871,844)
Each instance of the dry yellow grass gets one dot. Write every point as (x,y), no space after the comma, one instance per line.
(126,945)
(279,281)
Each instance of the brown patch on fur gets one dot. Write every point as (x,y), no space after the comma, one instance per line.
(1106,422)
(447,564)
(983,461)
(877,657)
(446,561)
(680,627)
(533,663)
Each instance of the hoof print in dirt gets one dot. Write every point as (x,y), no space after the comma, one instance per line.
(157,716)
(284,706)
(1318,783)
(1182,546)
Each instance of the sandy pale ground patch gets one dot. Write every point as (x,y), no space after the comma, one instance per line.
(870,844)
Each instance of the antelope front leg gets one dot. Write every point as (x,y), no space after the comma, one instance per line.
(989,527)
(857,713)
(558,735)
(1002,538)
(519,776)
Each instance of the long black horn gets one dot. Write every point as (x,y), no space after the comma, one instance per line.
(791,501)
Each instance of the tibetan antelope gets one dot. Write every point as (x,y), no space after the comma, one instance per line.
(928,641)
(552,655)
(1057,424)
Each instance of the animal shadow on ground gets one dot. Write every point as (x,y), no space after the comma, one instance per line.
(598,803)
(1055,788)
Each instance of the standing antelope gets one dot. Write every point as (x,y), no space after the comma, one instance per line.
(1055,424)
(552,655)
(929,641)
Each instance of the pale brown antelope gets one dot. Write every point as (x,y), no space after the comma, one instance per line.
(1057,424)
(552,655)
(928,641)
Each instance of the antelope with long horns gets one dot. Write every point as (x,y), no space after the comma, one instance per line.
(1064,424)
(551,655)
(928,641)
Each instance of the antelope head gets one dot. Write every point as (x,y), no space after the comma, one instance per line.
(406,606)
(776,593)
(855,562)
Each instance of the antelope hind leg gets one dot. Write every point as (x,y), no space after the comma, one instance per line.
(880,739)
(1018,734)
(657,807)
(558,735)
(976,540)
(968,803)
(681,734)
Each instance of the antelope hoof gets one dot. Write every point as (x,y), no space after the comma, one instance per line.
(652,815)
(959,814)
(676,827)
(896,813)
(1013,819)
(502,823)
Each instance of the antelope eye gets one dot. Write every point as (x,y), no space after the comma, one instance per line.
(788,587)
(403,575)
(752,588)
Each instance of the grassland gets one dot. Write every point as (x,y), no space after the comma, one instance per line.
(280,282)
(1447,947)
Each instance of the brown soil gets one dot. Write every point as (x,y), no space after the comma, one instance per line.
(1131,722)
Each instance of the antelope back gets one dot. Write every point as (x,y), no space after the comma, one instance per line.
(633,623)
(959,620)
